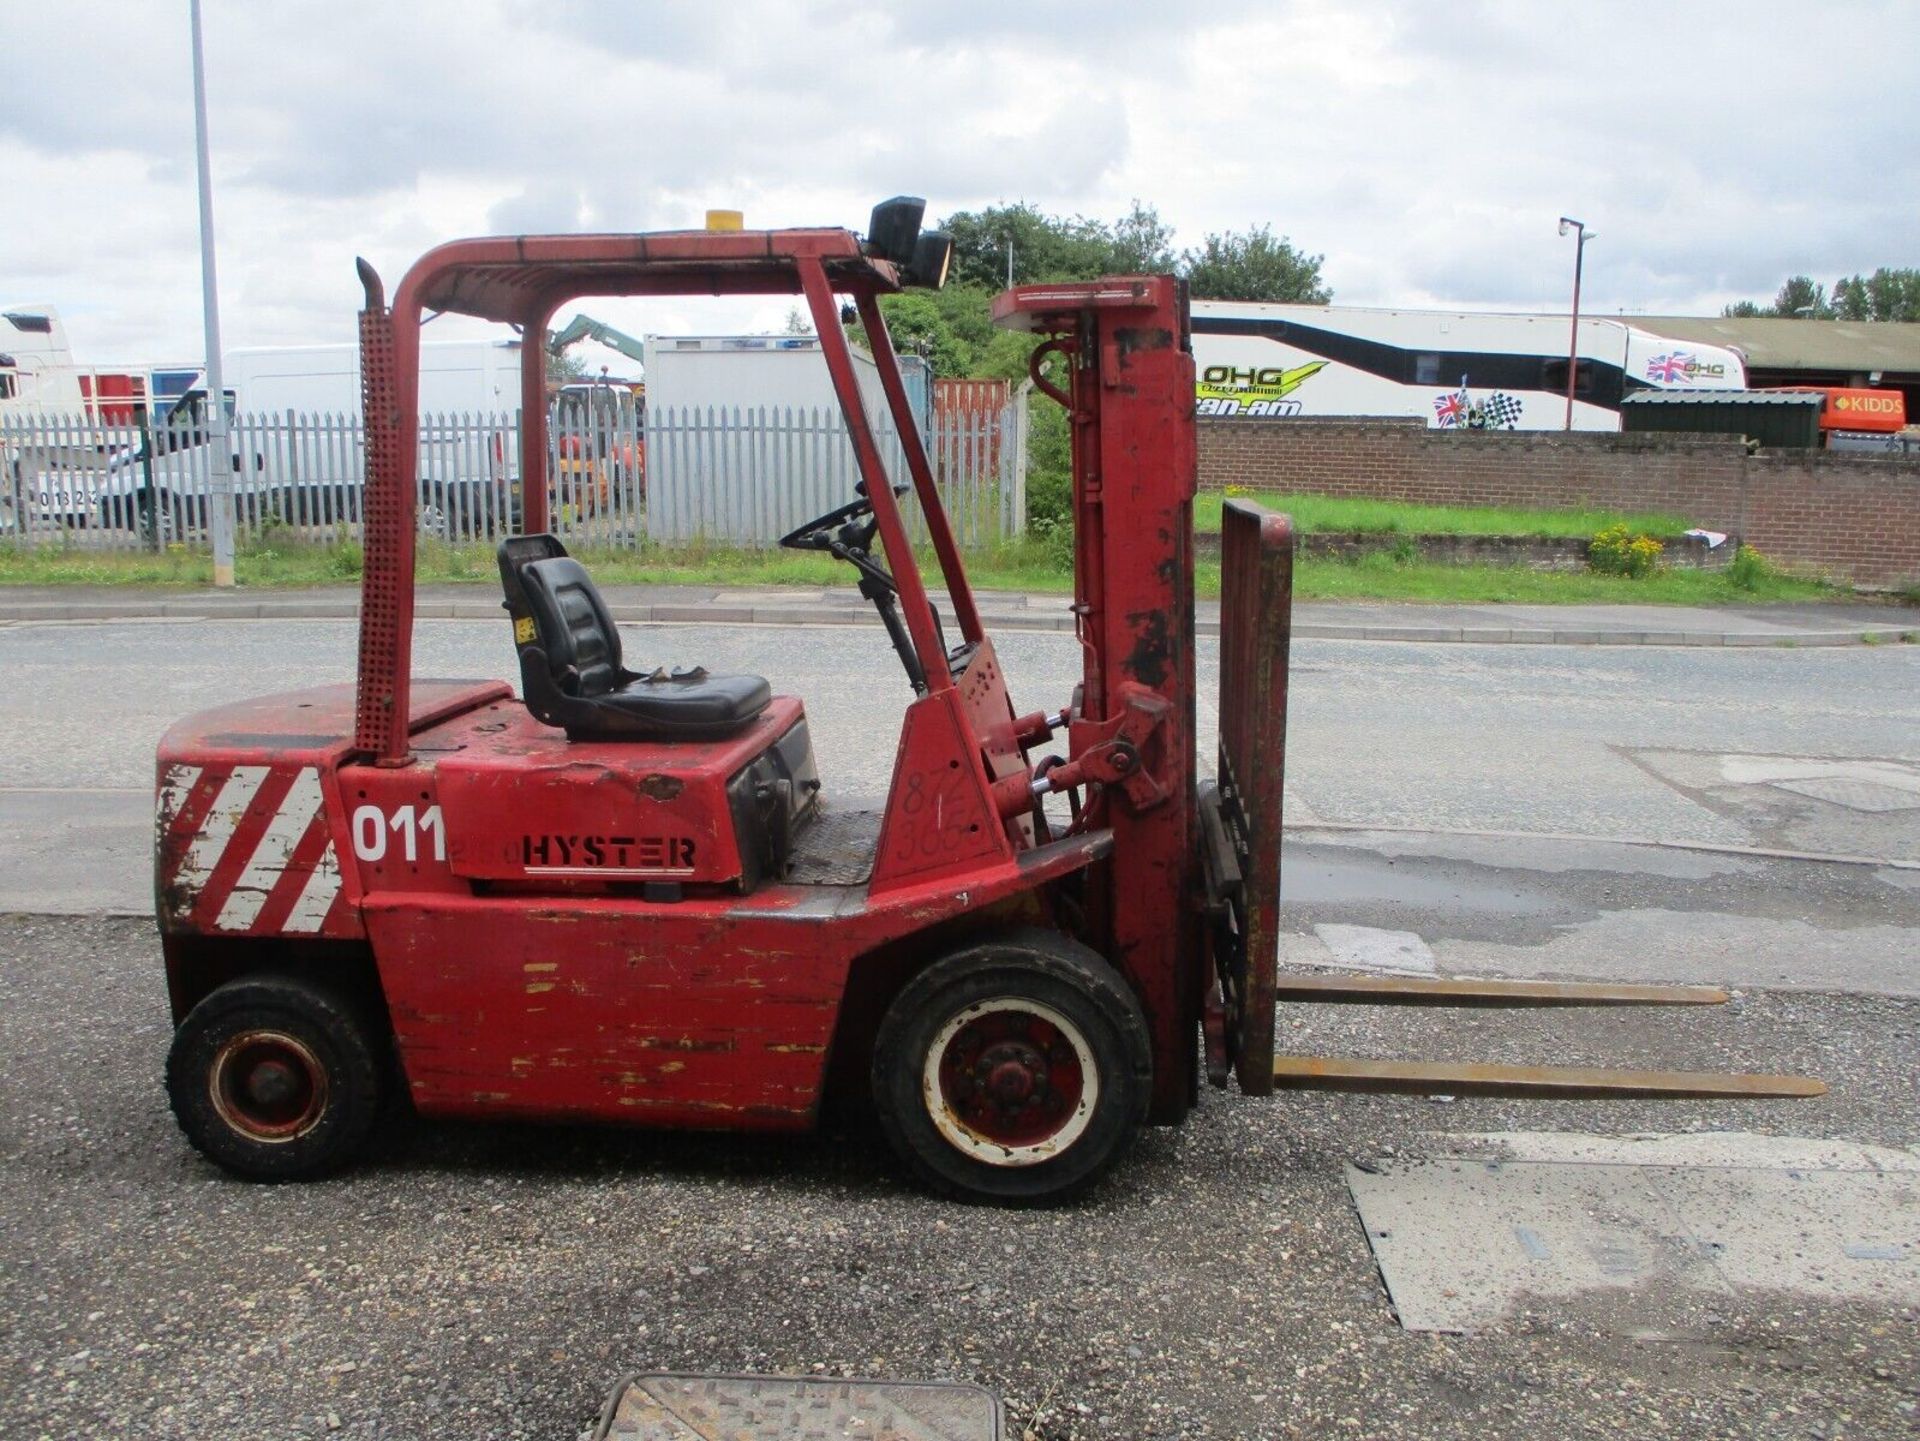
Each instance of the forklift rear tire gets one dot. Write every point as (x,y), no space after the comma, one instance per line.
(274,1078)
(1016,1070)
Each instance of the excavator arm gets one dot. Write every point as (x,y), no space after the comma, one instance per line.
(585,327)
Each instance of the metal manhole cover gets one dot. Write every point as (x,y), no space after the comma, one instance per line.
(797,1408)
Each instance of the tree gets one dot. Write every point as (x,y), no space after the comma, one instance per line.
(1142,244)
(1884,295)
(564,367)
(1255,265)
(1054,247)
(1802,296)
(1887,294)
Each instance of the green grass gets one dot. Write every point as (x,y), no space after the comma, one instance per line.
(1381,577)
(1388,517)
(1027,565)
(1022,565)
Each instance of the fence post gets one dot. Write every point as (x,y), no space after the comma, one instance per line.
(1013,490)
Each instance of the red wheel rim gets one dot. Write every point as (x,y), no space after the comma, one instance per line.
(267,1085)
(1010,1081)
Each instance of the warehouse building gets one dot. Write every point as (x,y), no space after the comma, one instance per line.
(1865,354)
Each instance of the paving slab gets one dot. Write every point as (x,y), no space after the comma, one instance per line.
(1486,1225)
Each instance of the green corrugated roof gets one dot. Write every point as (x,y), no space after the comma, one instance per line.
(1892,347)
(1725,397)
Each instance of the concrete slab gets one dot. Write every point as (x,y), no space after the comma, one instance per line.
(1370,948)
(1858,784)
(1464,1236)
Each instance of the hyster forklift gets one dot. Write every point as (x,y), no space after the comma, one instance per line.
(623,895)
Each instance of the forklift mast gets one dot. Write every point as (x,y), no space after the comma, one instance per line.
(1129,399)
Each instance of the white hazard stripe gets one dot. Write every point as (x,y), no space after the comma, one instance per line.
(210,841)
(175,787)
(270,857)
(316,899)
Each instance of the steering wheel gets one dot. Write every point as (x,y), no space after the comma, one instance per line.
(847,531)
(841,528)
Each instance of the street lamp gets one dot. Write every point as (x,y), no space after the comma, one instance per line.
(1573,341)
(218,448)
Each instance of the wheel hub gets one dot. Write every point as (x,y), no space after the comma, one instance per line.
(272,1083)
(268,1085)
(1011,1081)
(1012,1074)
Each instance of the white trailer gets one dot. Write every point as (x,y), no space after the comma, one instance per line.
(461,377)
(37,373)
(1449,368)
(688,374)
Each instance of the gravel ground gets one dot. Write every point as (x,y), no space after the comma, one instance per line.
(494,1282)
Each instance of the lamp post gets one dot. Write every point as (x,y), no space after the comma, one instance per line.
(1573,340)
(218,448)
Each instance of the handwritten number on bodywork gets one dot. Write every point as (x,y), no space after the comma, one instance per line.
(371,824)
(932,816)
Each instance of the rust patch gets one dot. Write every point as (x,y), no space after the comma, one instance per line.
(1149,660)
(682,1043)
(661,788)
(1129,338)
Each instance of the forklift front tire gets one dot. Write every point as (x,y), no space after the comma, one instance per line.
(274,1079)
(1016,1070)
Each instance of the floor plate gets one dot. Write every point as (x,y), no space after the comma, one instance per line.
(761,1408)
(1461,1237)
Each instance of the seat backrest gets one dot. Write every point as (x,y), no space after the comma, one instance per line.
(560,623)
(579,636)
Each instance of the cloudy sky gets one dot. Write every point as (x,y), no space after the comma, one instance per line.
(1425,150)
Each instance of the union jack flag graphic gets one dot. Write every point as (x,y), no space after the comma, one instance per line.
(1671,368)
(1451,409)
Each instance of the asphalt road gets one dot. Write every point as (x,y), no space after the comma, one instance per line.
(495,1281)
(1617,743)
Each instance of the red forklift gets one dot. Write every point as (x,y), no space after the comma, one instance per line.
(623,895)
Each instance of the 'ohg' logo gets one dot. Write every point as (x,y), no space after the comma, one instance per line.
(1273,375)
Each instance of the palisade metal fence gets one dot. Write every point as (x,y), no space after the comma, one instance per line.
(734,476)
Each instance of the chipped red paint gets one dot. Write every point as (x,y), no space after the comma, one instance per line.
(710,1012)
(520,799)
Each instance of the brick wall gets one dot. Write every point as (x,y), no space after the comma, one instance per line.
(1855,516)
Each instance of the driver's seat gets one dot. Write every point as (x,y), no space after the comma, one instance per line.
(570,670)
